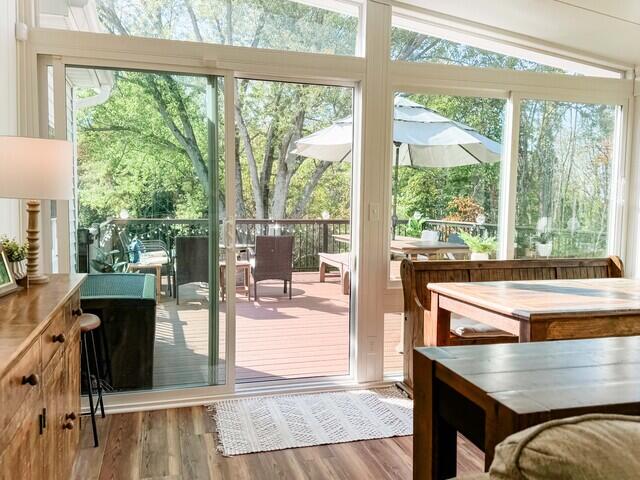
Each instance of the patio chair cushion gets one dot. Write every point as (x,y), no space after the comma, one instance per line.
(596,446)
(467,328)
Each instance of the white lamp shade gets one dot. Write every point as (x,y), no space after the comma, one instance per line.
(36,168)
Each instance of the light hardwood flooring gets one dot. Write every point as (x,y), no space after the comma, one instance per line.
(181,444)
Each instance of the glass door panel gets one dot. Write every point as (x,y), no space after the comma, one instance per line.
(292,200)
(148,203)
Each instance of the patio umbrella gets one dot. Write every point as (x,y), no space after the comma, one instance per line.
(421,138)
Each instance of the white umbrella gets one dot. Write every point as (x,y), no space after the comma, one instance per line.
(421,137)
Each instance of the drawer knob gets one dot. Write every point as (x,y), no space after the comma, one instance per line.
(70,416)
(59,338)
(68,426)
(76,312)
(32,380)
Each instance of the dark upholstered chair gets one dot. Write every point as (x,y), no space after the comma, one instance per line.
(192,261)
(273,261)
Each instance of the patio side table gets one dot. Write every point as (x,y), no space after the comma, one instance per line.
(157,267)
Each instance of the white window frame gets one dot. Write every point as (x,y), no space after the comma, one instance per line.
(374,77)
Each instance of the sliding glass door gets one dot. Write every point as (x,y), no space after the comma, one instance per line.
(149,210)
(293,206)
(176,219)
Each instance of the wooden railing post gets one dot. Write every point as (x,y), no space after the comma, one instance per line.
(325,237)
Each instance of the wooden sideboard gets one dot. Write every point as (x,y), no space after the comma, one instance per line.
(40,380)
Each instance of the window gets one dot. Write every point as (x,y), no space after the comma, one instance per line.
(446,173)
(424,41)
(564,179)
(276,24)
(410,46)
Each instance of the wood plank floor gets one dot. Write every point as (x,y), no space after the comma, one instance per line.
(181,444)
(276,338)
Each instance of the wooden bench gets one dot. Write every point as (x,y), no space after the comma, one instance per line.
(339,261)
(417,274)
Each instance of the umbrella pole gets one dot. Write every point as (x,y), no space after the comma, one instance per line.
(394,216)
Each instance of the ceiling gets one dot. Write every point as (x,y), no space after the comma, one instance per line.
(604,28)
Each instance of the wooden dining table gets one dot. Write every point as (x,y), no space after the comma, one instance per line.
(488,392)
(412,247)
(540,309)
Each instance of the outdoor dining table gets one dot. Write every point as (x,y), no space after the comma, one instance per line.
(539,309)
(412,247)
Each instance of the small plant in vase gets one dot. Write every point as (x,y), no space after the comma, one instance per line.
(544,244)
(481,246)
(415,225)
(17,256)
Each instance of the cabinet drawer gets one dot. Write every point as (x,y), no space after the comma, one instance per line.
(21,384)
(54,337)
(72,309)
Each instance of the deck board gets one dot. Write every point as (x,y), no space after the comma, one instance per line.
(276,338)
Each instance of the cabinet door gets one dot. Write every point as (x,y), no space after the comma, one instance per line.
(22,457)
(72,401)
(54,432)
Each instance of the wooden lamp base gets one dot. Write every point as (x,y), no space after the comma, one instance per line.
(33,237)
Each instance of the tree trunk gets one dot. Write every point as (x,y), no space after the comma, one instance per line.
(309,188)
(251,162)
(288,164)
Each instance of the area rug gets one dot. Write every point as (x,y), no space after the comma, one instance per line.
(264,424)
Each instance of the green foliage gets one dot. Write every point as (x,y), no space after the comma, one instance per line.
(479,243)
(278,24)
(15,251)
(543,238)
(415,225)
(108,262)
(145,149)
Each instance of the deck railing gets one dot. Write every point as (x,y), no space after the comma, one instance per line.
(315,236)
(310,236)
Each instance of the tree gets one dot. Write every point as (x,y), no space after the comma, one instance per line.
(270,116)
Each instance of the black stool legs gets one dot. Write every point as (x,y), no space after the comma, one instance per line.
(92,405)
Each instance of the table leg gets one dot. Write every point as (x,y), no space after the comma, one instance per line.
(323,271)
(434,440)
(439,324)
(159,281)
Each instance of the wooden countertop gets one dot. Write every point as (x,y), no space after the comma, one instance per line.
(25,314)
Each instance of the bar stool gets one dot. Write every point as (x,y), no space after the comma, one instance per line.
(88,323)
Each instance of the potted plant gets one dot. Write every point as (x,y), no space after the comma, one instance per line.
(481,246)
(415,225)
(17,256)
(544,244)
(108,262)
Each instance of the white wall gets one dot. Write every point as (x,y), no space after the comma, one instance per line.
(10,222)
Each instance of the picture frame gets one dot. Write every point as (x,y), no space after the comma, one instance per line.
(7,282)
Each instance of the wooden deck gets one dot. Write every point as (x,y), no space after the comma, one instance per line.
(277,338)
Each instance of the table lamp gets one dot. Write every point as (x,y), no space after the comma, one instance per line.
(35,169)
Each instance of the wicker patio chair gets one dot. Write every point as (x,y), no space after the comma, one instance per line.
(192,261)
(273,260)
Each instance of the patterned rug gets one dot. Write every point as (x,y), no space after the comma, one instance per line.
(263,424)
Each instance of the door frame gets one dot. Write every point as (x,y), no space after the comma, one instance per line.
(182,395)
(59,66)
